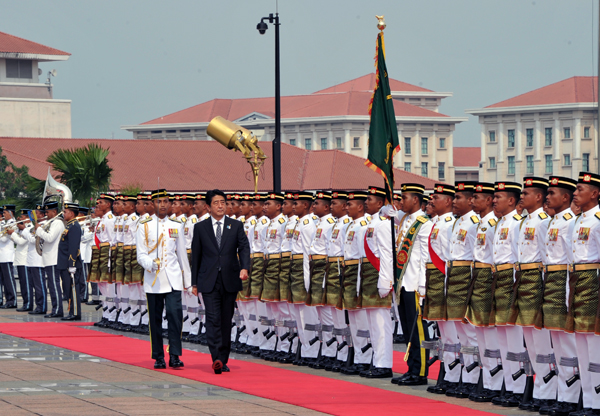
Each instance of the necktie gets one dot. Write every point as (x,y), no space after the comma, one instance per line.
(218,234)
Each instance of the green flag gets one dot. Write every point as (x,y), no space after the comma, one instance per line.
(383,133)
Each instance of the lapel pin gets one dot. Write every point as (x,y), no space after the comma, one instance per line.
(229,227)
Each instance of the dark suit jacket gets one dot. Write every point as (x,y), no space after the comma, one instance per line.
(231,257)
(68,247)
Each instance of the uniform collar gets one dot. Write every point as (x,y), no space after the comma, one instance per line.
(510,214)
(563,212)
(107,214)
(590,212)
(536,212)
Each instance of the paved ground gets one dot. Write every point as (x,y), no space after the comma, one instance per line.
(38,379)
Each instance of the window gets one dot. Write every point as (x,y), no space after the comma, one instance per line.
(529,137)
(492,135)
(511,165)
(338,142)
(424,145)
(323,144)
(407,145)
(511,138)
(19,68)
(293,142)
(567,132)
(548,136)
(585,162)
(357,142)
(548,163)
(442,143)
(308,144)
(424,169)
(529,167)
(586,132)
(492,162)
(567,159)
(407,166)
(441,171)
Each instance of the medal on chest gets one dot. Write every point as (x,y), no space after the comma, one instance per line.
(273,234)
(296,234)
(553,234)
(461,236)
(370,232)
(319,232)
(481,239)
(289,233)
(434,233)
(173,232)
(350,236)
(335,234)
(529,233)
(584,234)
(503,233)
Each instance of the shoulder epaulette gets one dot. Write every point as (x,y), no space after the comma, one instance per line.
(264,221)
(368,217)
(598,215)
(474,219)
(492,222)
(543,215)
(382,218)
(194,220)
(305,222)
(243,220)
(363,223)
(145,220)
(567,216)
(517,217)
(422,219)
(346,220)
(134,218)
(252,222)
(330,220)
(448,219)
(110,216)
(175,220)
(314,217)
(281,220)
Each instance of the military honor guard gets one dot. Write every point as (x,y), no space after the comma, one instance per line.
(377,280)
(510,338)
(553,314)
(160,244)
(7,256)
(20,262)
(35,267)
(69,260)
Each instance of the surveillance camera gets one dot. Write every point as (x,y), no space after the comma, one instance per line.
(262,27)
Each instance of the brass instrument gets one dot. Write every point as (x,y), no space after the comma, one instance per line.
(237,137)
(52,188)
(12,226)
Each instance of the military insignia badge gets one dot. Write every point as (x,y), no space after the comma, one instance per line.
(318,233)
(462,235)
(296,235)
(553,234)
(584,234)
(481,239)
(503,233)
(273,234)
(529,233)
(173,232)
(434,233)
(370,232)
(334,234)
(350,236)
(402,257)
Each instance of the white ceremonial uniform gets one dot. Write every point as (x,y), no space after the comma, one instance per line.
(381,327)
(170,251)
(461,246)
(105,231)
(487,337)
(247,307)
(303,235)
(585,248)
(354,249)
(532,249)
(21,260)
(50,260)
(324,313)
(121,288)
(286,247)
(131,293)
(558,246)
(275,234)
(257,241)
(192,302)
(85,250)
(506,249)
(440,243)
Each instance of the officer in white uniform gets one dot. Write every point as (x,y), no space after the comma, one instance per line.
(160,243)
(25,282)
(35,267)
(7,256)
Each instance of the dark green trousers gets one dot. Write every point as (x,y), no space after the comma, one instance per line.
(156,303)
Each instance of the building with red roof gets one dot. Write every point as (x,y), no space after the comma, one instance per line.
(26,104)
(333,118)
(466,163)
(202,165)
(547,131)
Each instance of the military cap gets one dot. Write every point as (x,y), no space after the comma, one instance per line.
(51,205)
(287,195)
(71,205)
(413,188)
(562,182)
(374,190)
(484,188)
(106,197)
(443,189)
(357,195)
(426,198)
(9,207)
(464,186)
(84,210)
(323,195)
(535,182)
(507,187)
(339,194)
(274,196)
(589,178)
(24,211)
(159,193)
(303,196)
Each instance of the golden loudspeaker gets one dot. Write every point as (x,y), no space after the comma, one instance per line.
(237,137)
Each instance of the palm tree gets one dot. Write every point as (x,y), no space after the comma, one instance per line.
(84,171)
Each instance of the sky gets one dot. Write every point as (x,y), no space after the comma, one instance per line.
(135,60)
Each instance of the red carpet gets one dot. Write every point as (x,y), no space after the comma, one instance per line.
(310,391)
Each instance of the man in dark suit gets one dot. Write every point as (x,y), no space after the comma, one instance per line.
(220,261)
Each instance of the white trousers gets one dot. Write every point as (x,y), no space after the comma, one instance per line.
(108,290)
(339,322)
(588,351)
(264,310)
(487,338)
(468,338)
(510,338)
(448,335)
(359,321)
(538,342)
(381,327)
(326,319)
(565,346)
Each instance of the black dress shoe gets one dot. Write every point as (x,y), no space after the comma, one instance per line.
(500,398)
(174,361)
(217,366)
(514,400)
(583,412)
(543,406)
(71,318)
(8,306)
(562,409)
(160,364)
(24,309)
(37,313)
(225,369)
(485,396)
(413,380)
(399,339)
(54,315)
(462,392)
(442,387)
(354,369)
(377,372)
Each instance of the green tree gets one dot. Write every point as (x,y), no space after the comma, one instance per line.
(131,188)
(83,170)
(12,179)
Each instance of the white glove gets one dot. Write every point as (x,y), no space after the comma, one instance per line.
(388,211)
(421,294)
(384,292)
(189,290)
(154,267)
(72,270)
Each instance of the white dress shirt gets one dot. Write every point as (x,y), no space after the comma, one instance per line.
(414,277)
(22,247)
(506,238)
(532,237)
(7,246)
(558,244)
(463,236)
(275,234)
(379,239)
(301,241)
(585,238)
(484,240)
(322,235)
(51,240)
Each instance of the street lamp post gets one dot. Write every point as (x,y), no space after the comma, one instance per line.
(262,28)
